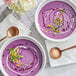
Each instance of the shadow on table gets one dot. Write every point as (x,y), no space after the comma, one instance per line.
(1,74)
(7,12)
(4,13)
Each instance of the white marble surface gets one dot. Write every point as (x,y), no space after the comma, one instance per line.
(28,20)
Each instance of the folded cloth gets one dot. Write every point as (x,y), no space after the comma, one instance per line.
(10,21)
(68,57)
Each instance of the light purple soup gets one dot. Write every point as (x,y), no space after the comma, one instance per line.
(57,20)
(28,65)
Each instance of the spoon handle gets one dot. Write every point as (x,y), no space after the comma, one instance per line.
(69,48)
(3,38)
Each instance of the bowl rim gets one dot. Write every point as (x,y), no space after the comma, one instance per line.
(28,38)
(42,4)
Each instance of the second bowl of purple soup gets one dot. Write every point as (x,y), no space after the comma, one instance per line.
(22,56)
(55,20)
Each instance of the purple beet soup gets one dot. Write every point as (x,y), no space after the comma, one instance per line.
(22,58)
(57,19)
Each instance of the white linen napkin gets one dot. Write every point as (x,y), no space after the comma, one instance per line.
(10,21)
(68,57)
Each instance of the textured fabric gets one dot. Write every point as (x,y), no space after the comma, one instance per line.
(10,21)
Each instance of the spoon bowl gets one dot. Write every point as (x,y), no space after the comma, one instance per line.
(12,31)
(55,53)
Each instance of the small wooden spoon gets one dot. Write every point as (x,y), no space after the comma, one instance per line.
(12,31)
(56,52)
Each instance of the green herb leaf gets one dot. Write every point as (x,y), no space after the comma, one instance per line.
(59,26)
(53,28)
(57,18)
(56,22)
(63,11)
(14,55)
(21,56)
(63,23)
(18,56)
(24,68)
(12,60)
(12,51)
(58,31)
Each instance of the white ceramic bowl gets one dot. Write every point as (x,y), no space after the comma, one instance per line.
(38,26)
(23,37)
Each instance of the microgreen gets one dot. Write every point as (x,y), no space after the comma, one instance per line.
(53,28)
(63,23)
(21,56)
(58,31)
(57,18)
(59,26)
(56,22)
(24,68)
(12,51)
(14,56)
(63,11)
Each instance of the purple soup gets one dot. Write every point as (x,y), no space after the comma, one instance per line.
(22,58)
(57,19)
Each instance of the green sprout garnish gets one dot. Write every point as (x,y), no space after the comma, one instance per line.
(24,68)
(53,28)
(58,31)
(63,23)
(57,23)
(57,19)
(14,56)
(59,26)
(21,56)
(62,10)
